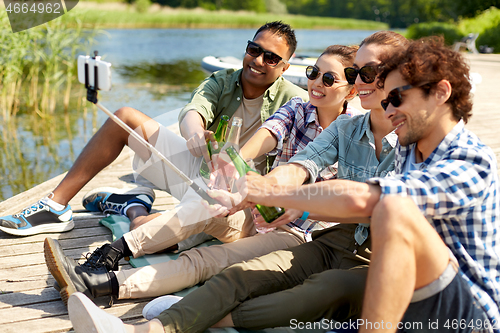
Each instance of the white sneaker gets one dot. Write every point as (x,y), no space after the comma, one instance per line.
(87,317)
(158,305)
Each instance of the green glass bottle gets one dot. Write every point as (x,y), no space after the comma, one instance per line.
(220,137)
(268,213)
(222,181)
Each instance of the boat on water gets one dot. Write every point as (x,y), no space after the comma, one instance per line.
(296,73)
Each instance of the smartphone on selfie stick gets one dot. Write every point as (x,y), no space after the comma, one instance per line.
(96,75)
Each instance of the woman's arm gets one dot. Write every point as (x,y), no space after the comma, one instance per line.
(263,141)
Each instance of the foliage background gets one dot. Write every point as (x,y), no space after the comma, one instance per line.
(397,13)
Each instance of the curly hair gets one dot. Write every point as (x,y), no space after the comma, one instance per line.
(283,30)
(426,62)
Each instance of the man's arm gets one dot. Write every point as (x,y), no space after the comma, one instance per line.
(337,198)
(196,116)
(292,175)
(193,130)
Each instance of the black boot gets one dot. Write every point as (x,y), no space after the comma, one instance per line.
(71,277)
(104,256)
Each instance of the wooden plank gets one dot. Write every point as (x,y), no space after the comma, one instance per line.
(52,317)
(27,297)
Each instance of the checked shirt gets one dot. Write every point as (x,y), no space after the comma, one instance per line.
(457,189)
(295,125)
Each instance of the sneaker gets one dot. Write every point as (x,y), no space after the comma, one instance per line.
(158,305)
(111,200)
(71,277)
(36,219)
(88,317)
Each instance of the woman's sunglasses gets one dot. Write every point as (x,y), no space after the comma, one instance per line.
(366,73)
(312,73)
(270,58)
(394,97)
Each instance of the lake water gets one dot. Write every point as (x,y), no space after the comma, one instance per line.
(154,70)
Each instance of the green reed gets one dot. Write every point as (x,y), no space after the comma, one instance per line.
(37,64)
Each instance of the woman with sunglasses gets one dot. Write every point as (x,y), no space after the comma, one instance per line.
(297,123)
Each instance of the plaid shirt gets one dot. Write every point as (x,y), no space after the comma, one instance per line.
(456,189)
(295,125)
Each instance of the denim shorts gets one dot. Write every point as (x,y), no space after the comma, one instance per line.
(453,309)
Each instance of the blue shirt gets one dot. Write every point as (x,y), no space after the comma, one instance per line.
(456,189)
(350,142)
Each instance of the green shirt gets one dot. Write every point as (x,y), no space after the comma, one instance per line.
(221,94)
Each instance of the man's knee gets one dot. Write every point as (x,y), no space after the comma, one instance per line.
(394,216)
(126,113)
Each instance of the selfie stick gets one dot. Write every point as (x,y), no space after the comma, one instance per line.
(92,97)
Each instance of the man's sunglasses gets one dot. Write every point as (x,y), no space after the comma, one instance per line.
(312,73)
(366,73)
(394,97)
(270,58)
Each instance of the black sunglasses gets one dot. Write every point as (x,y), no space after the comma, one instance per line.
(270,58)
(394,97)
(312,73)
(367,73)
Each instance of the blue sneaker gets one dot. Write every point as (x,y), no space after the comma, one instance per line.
(37,219)
(111,200)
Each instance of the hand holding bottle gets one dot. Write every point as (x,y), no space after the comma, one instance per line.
(261,226)
(197,143)
(226,201)
(224,174)
(290,215)
(213,143)
(269,213)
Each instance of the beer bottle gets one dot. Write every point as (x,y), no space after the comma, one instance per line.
(220,137)
(268,213)
(233,139)
(223,181)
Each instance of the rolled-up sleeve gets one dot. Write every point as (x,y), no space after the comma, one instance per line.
(281,122)
(204,100)
(449,188)
(320,153)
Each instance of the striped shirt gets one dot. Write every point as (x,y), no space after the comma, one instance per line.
(456,188)
(295,125)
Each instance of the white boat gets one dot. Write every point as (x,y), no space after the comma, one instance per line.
(296,73)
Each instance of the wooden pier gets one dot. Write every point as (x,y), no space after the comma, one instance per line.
(29,303)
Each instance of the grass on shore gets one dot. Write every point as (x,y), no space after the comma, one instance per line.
(128,17)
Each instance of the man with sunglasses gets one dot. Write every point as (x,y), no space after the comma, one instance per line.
(435,261)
